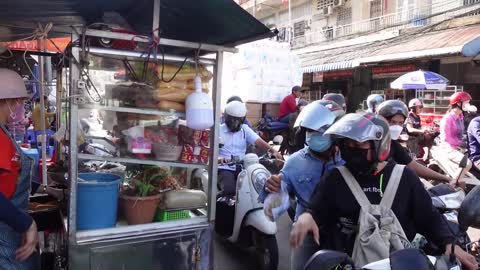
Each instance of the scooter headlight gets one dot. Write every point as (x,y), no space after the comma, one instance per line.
(259,178)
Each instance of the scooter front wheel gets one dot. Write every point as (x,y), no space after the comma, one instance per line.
(266,251)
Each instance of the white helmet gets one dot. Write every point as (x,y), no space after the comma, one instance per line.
(236,109)
(12,85)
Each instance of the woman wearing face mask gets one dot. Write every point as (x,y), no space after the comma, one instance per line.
(364,142)
(304,169)
(452,129)
(395,111)
(16,244)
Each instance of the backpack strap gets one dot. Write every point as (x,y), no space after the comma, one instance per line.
(392,186)
(354,187)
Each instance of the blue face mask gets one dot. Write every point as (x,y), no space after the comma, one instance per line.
(318,142)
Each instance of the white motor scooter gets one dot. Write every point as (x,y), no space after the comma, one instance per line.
(241,220)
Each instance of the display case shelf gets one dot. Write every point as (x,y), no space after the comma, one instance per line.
(129,110)
(143,161)
(123,230)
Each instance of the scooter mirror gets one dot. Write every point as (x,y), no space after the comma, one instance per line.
(277,140)
(469,213)
(328,260)
(463,162)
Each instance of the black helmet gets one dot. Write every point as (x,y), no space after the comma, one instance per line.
(329,260)
(234,98)
(337,98)
(373,100)
(362,127)
(334,107)
(390,108)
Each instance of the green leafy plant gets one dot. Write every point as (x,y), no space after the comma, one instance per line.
(143,180)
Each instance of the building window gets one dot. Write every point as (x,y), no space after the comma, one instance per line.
(375,8)
(321,4)
(299,29)
(344,16)
(469,2)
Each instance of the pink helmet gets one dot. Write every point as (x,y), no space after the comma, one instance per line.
(415,102)
(12,85)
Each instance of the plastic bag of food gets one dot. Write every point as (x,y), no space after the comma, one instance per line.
(276,204)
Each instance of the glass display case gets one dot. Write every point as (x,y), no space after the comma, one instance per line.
(135,163)
(436,101)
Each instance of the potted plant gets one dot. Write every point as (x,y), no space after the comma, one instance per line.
(140,197)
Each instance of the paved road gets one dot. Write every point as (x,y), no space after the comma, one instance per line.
(228,256)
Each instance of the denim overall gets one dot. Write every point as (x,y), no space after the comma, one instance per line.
(11,240)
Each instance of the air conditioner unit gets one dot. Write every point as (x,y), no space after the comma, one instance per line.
(338,3)
(328,10)
(308,24)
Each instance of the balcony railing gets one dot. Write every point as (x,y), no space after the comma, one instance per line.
(406,18)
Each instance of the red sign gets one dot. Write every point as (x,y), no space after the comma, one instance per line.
(393,69)
(32,45)
(338,74)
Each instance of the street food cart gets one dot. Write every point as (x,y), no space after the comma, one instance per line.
(132,66)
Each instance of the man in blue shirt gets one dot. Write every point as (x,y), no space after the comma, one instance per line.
(473,133)
(235,137)
(305,168)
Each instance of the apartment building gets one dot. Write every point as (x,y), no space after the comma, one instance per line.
(356,46)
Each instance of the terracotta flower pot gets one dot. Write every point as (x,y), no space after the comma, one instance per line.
(139,210)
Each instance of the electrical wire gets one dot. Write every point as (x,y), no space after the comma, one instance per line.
(175,74)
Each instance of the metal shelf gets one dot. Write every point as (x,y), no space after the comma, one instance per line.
(129,110)
(123,230)
(131,55)
(143,161)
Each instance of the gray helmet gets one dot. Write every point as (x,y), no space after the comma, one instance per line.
(362,127)
(334,107)
(337,98)
(315,117)
(373,100)
(390,108)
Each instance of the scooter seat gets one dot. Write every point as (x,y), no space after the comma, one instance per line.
(276,126)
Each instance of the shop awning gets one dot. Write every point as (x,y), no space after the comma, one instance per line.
(328,66)
(219,22)
(463,41)
(328,60)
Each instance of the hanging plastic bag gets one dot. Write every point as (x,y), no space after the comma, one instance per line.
(276,204)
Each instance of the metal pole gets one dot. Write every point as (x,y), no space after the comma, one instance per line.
(254,7)
(73,148)
(43,141)
(290,28)
(156,18)
(58,105)
(214,139)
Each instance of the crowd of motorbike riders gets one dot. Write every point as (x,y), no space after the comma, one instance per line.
(366,144)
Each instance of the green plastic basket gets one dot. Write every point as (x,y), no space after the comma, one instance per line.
(163,215)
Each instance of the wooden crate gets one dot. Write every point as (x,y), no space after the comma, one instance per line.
(254,112)
(271,109)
